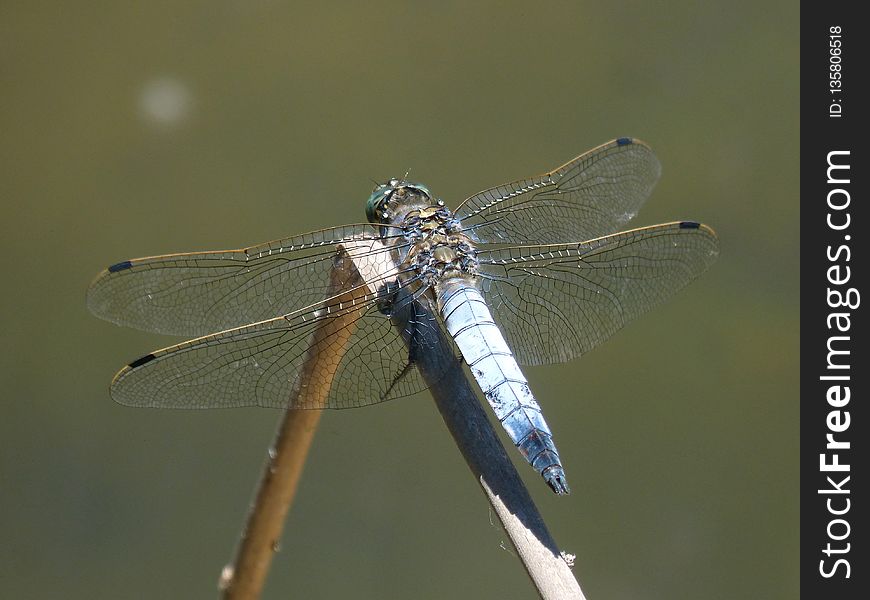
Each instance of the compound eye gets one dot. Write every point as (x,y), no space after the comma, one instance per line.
(380,195)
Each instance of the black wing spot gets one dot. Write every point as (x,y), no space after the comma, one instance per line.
(624,141)
(141,361)
(689,225)
(120,266)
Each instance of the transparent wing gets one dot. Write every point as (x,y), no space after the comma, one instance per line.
(593,195)
(202,292)
(361,358)
(557,302)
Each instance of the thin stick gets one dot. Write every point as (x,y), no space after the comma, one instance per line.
(243,579)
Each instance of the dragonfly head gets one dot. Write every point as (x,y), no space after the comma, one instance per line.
(389,197)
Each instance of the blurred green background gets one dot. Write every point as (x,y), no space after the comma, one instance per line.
(131,129)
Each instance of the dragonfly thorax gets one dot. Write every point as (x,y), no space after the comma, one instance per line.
(439,247)
(436,245)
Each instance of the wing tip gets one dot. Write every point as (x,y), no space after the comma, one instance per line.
(126,370)
(705,230)
(119,393)
(700,227)
(95,299)
(654,163)
(710,236)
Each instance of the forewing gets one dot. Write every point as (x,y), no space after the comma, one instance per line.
(557,302)
(202,292)
(593,195)
(339,356)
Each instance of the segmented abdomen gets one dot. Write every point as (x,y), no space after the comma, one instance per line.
(492,364)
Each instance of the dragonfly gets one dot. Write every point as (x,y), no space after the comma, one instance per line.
(532,272)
